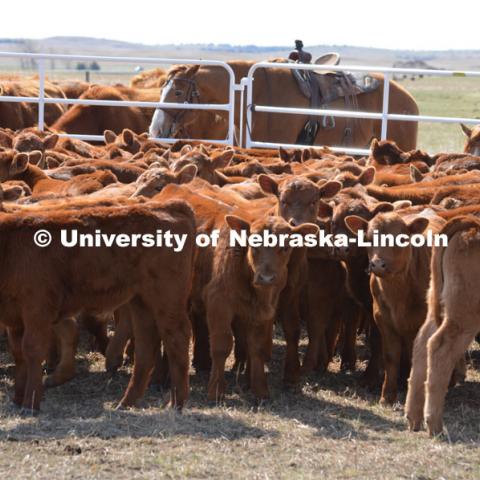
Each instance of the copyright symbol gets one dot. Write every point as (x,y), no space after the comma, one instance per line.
(42,238)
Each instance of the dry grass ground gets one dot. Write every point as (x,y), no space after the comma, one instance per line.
(332,428)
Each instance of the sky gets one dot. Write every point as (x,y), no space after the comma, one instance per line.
(404,24)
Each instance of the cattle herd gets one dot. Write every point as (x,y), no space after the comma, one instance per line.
(417,308)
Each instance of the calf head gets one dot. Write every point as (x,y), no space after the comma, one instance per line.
(268,265)
(473,139)
(127,140)
(299,198)
(387,261)
(349,179)
(153,180)
(14,163)
(206,165)
(28,141)
(346,209)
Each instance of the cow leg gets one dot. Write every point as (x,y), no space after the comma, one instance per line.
(97,327)
(146,343)
(259,352)
(15,336)
(392,353)
(176,341)
(289,317)
(201,347)
(415,400)
(445,348)
(35,343)
(240,348)
(116,346)
(66,336)
(350,320)
(221,344)
(161,372)
(371,377)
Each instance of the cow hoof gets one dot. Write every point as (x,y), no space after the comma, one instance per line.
(28,412)
(434,426)
(347,367)
(414,424)
(387,401)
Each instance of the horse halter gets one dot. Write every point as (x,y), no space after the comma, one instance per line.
(192,95)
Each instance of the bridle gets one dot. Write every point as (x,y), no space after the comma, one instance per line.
(192,95)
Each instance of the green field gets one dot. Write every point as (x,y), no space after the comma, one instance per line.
(451,96)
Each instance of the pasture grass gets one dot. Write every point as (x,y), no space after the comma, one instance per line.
(448,96)
(330,428)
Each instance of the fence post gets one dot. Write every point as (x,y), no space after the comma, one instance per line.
(248,125)
(41,94)
(386,99)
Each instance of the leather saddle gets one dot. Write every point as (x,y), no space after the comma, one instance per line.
(322,87)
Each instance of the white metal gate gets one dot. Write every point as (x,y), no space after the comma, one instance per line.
(384,116)
(245,88)
(41,100)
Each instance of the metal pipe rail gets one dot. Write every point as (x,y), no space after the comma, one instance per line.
(42,101)
(384,116)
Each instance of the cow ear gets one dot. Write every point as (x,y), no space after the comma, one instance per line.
(186,149)
(237,223)
(306,154)
(418,225)
(52,162)
(466,130)
(284,154)
(202,148)
(128,136)
(268,184)
(355,224)
(5,140)
(373,147)
(381,207)
(13,193)
(50,141)
(367,176)
(399,204)
(166,154)
(415,174)
(109,136)
(330,189)
(19,164)
(36,158)
(186,174)
(324,210)
(306,228)
(223,160)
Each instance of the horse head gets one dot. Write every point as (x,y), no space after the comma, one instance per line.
(180,87)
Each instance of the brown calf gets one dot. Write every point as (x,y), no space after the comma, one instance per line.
(242,296)
(40,287)
(452,323)
(399,281)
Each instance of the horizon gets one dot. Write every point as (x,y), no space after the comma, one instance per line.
(232,45)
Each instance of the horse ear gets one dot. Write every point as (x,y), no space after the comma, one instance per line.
(191,71)
(467,131)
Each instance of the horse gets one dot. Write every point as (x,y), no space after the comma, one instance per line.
(273,87)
